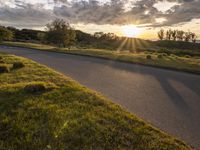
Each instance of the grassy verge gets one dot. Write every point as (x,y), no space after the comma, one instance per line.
(163,60)
(42,109)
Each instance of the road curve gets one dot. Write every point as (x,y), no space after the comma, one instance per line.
(167,99)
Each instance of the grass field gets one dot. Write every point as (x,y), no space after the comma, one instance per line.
(158,59)
(42,109)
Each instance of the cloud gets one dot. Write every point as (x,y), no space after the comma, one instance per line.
(25,15)
(112,12)
(188,10)
(119,12)
(92,12)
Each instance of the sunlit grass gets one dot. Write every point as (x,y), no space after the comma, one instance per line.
(69,116)
(178,63)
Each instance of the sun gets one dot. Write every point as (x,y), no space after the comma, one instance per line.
(130,31)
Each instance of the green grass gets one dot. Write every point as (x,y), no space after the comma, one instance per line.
(181,63)
(30,45)
(67,116)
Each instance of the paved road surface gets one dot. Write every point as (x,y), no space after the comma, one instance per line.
(169,100)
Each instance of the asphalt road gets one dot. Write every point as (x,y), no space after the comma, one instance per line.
(167,99)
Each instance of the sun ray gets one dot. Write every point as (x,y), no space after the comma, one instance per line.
(133,45)
(128,44)
(122,45)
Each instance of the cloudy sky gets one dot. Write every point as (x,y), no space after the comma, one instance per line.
(147,16)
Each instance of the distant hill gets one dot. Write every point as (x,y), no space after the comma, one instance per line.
(178,45)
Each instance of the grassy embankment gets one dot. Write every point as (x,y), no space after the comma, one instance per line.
(42,109)
(174,59)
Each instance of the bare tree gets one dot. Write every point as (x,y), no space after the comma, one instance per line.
(193,37)
(169,34)
(187,36)
(161,34)
(177,35)
(180,35)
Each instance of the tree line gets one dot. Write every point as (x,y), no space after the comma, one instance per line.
(59,33)
(177,35)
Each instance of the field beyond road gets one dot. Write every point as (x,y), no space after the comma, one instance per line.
(180,60)
(42,109)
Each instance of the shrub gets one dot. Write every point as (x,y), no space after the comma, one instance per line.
(2,62)
(160,56)
(150,52)
(172,55)
(132,51)
(164,54)
(148,57)
(187,56)
(35,87)
(4,69)
(18,65)
(1,57)
(38,87)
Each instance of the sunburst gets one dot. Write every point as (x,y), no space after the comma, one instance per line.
(130,31)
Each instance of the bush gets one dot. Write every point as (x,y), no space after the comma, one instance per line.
(160,56)
(2,62)
(35,87)
(4,69)
(187,56)
(172,55)
(148,57)
(18,65)
(1,57)
(38,87)
(164,54)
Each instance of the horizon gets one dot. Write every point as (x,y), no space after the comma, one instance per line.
(138,19)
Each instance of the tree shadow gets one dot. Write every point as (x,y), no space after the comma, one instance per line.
(163,76)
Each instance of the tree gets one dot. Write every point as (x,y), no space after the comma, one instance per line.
(180,35)
(169,34)
(5,34)
(187,36)
(161,34)
(60,33)
(108,36)
(193,37)
(174,34)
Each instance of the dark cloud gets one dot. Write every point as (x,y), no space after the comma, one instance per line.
(25,15)
(93,11)
(109,13)
(188,10)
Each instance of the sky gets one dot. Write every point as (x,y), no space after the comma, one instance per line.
(145,17)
